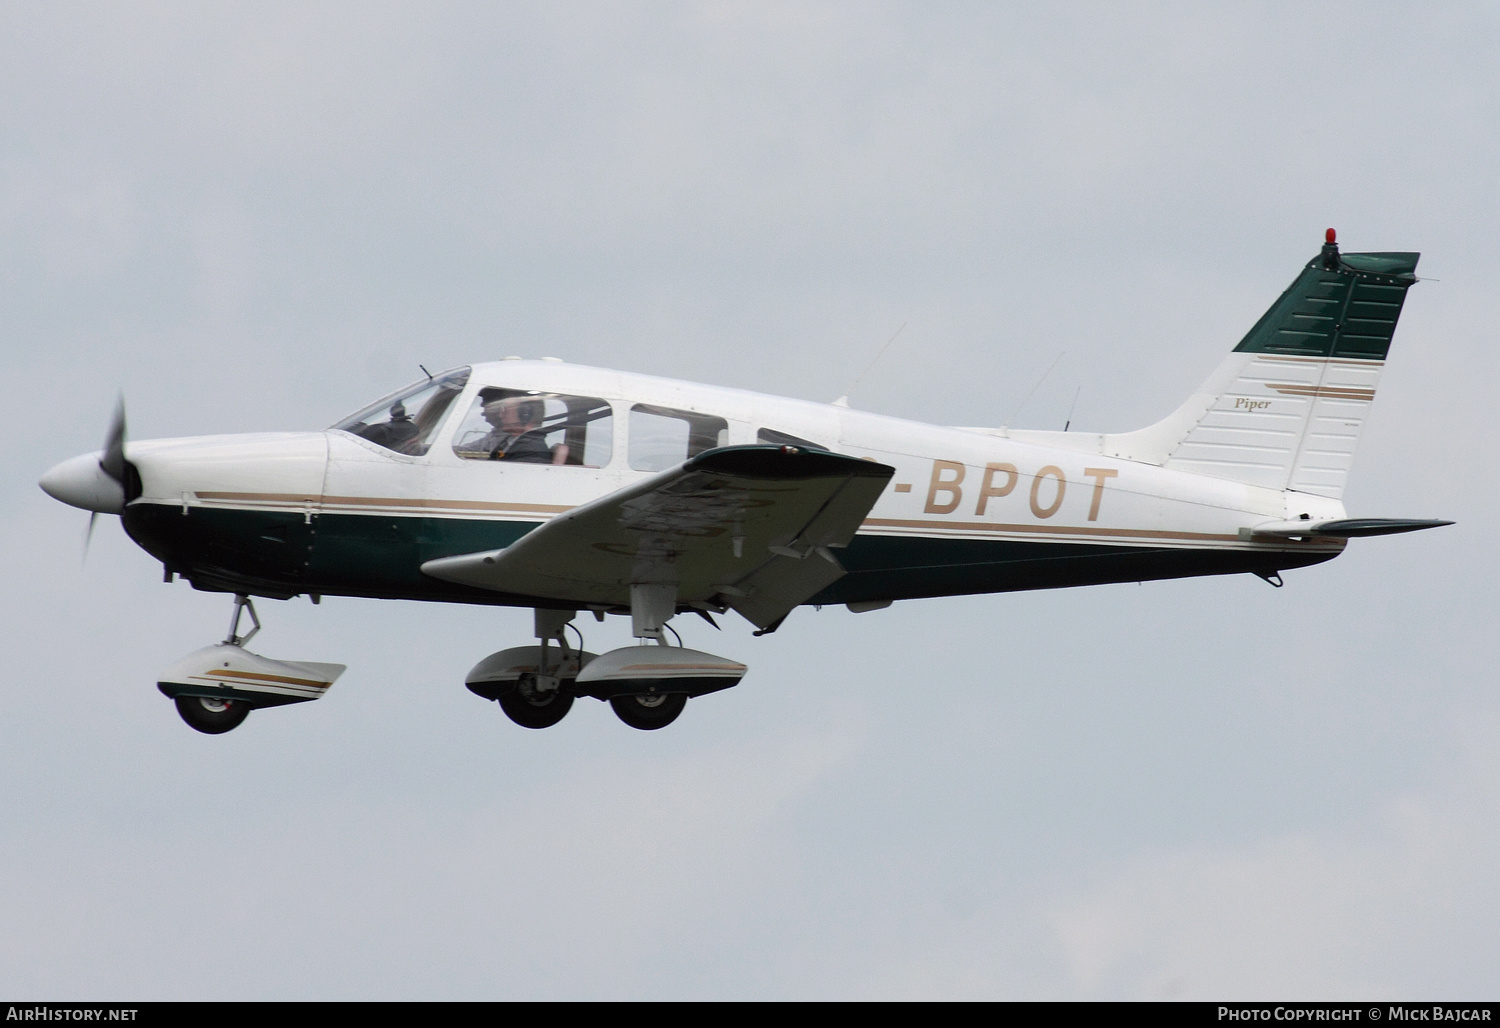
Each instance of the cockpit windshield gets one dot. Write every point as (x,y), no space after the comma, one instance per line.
(406,421)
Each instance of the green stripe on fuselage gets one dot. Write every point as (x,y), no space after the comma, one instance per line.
(274,553)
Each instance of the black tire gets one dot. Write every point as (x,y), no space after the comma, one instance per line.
(648,713)
(211,715)
(531,708)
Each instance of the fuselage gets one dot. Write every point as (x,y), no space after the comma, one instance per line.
(347,511)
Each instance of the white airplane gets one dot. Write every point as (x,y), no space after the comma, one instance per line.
(562,488)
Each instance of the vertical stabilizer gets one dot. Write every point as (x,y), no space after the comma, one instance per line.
(1286,408)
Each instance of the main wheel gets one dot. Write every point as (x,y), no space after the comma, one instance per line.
(531,707)
(212,715)
(649,713)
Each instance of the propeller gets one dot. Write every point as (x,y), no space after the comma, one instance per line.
(112,463)
(113,458)
(100,481)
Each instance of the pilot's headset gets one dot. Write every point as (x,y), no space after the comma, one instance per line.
(530,410)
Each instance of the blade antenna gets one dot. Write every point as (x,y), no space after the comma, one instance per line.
(843,401)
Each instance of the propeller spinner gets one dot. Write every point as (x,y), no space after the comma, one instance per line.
(93,481)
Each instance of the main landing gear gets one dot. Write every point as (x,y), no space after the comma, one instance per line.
(215,688)
(534,684)
(647,685)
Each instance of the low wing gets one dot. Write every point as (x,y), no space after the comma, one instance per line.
(748,527)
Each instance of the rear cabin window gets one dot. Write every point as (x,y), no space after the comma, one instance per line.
(662,438)
(528,427)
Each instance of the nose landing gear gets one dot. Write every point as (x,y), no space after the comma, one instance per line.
(215,688)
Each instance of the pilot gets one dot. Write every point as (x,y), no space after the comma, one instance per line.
(392,434)
(513,434)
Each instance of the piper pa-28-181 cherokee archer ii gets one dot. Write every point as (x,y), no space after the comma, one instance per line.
(565,488)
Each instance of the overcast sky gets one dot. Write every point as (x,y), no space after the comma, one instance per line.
(263,216)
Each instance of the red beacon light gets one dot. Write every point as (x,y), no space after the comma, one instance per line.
(1330,237)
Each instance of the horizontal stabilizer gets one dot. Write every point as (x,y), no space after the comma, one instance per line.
(1346,528)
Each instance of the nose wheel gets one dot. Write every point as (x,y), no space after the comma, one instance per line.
(212,715)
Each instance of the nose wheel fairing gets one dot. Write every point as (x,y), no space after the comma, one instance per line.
(226,671)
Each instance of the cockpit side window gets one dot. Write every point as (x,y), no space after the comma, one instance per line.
(530,427)
(662,438)
(775,438)
(407,421)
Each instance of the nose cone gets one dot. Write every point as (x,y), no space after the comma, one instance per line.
(81,482)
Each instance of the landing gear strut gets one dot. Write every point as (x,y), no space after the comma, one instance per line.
(242,603)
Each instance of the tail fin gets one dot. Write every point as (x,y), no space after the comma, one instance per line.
(1286,408)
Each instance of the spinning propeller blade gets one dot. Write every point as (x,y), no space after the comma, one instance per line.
(111,462)
(113,459)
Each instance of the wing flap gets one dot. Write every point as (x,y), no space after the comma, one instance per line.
(770,592)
